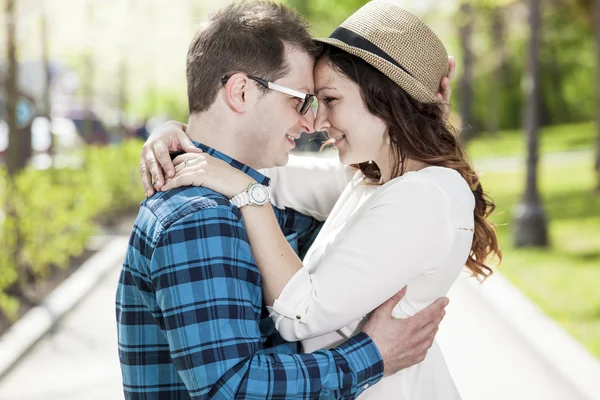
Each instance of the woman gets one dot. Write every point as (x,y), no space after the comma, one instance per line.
(413,214)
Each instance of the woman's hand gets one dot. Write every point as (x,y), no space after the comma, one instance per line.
(169,137)
(209,172)
(445,91)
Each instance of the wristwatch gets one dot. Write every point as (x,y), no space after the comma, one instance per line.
(256,195)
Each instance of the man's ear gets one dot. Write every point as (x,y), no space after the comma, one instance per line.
(236,92)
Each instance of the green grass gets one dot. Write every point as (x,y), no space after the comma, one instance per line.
(553,139)
(562,280)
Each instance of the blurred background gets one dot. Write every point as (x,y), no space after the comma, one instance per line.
(84,82)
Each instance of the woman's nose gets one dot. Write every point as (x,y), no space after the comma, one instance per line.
(322,121)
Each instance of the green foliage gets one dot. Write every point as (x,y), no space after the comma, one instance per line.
(325,15)
(553,139)
(567,67)
(561,280)
(161,102)
(56,211)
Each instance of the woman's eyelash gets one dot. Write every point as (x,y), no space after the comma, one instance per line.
(329,99)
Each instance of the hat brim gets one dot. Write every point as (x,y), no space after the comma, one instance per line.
(413,87)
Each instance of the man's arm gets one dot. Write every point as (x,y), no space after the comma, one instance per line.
(209,291)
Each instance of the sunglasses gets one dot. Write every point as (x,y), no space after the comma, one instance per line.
(308,99)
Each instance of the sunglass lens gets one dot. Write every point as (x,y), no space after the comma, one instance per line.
(308,104)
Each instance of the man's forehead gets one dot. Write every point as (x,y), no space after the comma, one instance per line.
(301,65)
(299,80)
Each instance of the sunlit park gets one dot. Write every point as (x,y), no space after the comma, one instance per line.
(85,82)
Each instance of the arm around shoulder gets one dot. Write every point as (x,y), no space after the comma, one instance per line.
(309,185)
(208,292)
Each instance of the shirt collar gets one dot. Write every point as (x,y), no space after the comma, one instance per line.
(254,174)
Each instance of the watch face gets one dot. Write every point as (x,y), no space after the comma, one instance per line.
(259,194)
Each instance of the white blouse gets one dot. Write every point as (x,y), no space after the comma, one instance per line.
(414,230)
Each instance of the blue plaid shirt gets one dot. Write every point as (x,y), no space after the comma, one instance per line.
(190,318)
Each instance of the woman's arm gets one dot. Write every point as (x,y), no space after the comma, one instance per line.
(309,185)
(403,234)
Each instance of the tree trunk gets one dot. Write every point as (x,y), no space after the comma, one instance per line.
(596,13)
(16,154)
(16,158)
(466,80)
(500,69)
(123,81)
(47,101)
(531,226)
(88,125)
(558,97)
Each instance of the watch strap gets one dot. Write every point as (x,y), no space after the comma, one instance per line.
(241,199)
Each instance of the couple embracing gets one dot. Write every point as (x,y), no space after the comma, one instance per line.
(253,274)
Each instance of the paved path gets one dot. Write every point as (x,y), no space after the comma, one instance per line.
(486,358)
(78,361)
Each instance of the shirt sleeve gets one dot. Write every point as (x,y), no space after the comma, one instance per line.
(208,290)
(309,185)
(402,234)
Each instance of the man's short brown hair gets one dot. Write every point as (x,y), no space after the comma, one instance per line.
(247,37)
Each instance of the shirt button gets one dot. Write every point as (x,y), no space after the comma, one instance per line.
(366,386)
(298,317)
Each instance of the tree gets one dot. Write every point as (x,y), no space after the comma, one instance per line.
(596,13)
(500,68)
(19,146)
(123,82)
(15,157)
(88,86)
(531,225)
(465,32)
(588,11)
(47,102)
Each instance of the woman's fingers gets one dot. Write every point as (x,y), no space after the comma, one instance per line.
(188,162)
(188,158)
(146,179)
(451,67)
(154,169)
(193,177)
(161,152)
(186,144)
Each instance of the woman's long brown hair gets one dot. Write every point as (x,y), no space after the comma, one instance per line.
(420,132)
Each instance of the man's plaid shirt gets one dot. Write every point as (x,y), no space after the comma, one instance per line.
(190,318)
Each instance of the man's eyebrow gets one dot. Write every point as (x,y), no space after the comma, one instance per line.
(324,88)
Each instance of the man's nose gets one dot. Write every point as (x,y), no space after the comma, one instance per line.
(308,122)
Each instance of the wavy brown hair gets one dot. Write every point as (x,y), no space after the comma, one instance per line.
(419,131)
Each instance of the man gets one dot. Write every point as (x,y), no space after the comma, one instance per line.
(190,318)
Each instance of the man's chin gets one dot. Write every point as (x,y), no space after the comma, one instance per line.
(282,160)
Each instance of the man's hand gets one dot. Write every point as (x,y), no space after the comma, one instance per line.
(168,137)
(404,342)
(445,92)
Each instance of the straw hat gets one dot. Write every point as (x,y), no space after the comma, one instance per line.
(398,44)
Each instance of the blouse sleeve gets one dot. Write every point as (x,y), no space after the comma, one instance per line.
(309,185)
(402,233)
